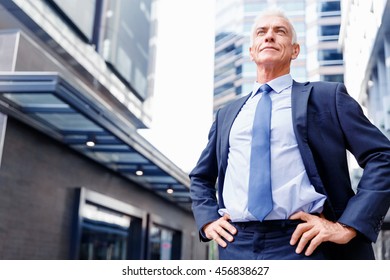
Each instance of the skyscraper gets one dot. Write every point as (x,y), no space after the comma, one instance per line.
(324,58)
(366,50)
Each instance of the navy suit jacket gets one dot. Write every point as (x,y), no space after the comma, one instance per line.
(327,122)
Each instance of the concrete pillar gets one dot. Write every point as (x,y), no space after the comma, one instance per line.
(374,106)
(9,40)
(386,89)
(3,125)
(382,92)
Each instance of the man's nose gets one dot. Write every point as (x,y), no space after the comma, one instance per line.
(269,36)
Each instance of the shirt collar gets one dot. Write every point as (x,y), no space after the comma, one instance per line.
(278,84)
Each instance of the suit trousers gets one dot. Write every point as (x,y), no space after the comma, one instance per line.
(268,240)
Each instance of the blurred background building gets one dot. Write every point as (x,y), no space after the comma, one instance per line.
(77,181)
(364,38)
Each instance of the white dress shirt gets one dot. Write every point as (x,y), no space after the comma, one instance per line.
(291,188)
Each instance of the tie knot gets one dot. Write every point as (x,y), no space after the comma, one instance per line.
(265,88)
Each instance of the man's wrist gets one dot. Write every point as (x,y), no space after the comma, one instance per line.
(345,226)
(350,229)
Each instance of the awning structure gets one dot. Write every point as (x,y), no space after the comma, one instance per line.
(54,106)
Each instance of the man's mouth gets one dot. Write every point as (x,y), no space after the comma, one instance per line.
(269,48)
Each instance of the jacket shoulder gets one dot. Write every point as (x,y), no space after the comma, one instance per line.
(318,84)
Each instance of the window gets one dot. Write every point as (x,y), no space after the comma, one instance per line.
(164,239)
(126,41)
(330,57)
(329,32)
(225,88)
(329,9)
(120,31)
(106,229)
(164,243)
(330,6)
(104,234)
(330,54)
(224,71)
(81,18)
(333,78)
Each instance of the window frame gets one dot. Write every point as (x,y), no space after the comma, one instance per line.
(135,245)
(177,241)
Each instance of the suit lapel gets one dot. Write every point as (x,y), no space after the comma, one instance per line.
(299,99)
(227,122)
(300,94)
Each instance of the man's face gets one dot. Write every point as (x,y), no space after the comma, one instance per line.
(272,43)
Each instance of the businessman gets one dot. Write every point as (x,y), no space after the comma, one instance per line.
(273,180)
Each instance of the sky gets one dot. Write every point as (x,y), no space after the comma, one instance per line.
(183,94)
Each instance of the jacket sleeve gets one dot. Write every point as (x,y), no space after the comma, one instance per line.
(367,209)
(203,182)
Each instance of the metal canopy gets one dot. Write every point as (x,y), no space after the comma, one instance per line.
(49,103)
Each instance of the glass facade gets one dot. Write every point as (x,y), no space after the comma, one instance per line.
(324,57)
(104,234)
(164,243)
(108,229)
(123,20)
(113,27)
(82,18)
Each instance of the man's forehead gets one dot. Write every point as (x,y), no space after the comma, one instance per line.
(274,21)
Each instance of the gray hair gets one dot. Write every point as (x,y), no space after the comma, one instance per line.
(274,11)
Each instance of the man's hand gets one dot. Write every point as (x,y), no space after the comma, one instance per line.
(220,228)
(316,230)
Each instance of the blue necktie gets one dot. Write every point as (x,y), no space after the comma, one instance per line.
(260,192)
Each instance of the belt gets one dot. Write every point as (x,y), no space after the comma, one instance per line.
(268,225)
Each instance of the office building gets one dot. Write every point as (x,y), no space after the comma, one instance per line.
(366,49)
(76,179)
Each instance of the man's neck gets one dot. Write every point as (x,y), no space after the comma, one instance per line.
(266,74)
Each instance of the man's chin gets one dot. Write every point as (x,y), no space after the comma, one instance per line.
(267,59)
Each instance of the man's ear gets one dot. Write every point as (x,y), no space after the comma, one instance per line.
(296,50)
